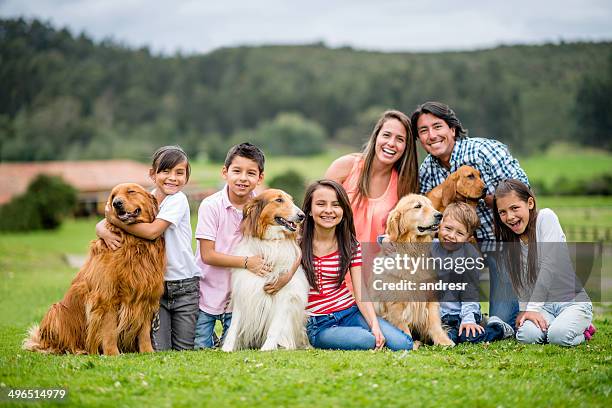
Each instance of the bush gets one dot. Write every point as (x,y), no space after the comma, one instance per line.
(289,134)
(293,183)
(43,206)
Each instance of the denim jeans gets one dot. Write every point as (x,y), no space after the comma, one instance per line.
(348,330)
(490,333)
(205,329)
(503,300)
(567,322)
(178,311)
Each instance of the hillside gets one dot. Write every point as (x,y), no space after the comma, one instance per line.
(64,96)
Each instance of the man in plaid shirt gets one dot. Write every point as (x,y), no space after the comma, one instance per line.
(443,136)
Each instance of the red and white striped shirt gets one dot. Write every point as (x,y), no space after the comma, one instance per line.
(331,298)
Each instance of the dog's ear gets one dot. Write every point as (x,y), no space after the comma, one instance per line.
(393,225)
(152,204)
(449,192)
(251,212)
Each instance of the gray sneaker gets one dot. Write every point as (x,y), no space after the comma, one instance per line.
(508,330)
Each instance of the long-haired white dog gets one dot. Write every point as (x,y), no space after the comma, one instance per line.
(260,320)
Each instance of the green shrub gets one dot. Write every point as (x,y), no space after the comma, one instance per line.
(43,206)
(293,183)
(289,134)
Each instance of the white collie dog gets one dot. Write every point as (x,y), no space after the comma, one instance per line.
(260,320)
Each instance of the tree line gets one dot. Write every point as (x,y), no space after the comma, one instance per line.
(65,96)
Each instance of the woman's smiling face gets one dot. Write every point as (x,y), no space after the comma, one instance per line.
(390,142)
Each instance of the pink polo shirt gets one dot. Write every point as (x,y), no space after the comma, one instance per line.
(218,221)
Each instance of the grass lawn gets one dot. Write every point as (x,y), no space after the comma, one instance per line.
(560,161)
(34,275)
(567,162)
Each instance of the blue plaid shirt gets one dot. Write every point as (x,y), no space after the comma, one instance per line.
(495,164)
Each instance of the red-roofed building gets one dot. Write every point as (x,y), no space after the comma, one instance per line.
(92,179)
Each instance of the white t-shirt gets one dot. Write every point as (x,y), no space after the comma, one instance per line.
(556,280)
(179,253)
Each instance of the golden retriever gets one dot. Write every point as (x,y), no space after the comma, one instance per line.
(260,320)
(413,222)
(111,301)
(463,185)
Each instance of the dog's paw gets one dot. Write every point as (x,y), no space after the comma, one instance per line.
(269,346)
(445,343)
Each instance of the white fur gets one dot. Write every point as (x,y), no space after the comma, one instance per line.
(260,320)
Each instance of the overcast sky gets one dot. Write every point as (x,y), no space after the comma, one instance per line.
(199,26)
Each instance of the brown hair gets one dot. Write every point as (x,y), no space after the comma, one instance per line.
(511,253)
(167,157)
(345,232)
(248,151)
(465,214)
(406,165)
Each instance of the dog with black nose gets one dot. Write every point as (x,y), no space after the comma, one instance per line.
(261,320)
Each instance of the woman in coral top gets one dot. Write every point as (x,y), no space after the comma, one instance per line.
(378,177)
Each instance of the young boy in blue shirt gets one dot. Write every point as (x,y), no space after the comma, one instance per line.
(460,312)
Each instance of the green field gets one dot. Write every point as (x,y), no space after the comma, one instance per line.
(34,275)
(593,213)
(567,162)
(208,174)
(560,161)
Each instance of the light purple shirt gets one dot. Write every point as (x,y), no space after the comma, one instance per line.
(218,221)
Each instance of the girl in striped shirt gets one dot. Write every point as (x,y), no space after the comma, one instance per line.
(337,320)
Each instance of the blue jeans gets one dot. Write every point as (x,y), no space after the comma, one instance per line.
(567,322)
(348,330)
(489,334)
(503,300)
(205,329)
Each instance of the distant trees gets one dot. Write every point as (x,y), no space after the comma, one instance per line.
(593,109)
(67,97)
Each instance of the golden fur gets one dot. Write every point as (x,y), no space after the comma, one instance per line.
(111,301)
(464,185)
(413,222)
(260,320)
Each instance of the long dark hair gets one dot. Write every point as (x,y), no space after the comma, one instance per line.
(406,166)
(512,252)
(345,232)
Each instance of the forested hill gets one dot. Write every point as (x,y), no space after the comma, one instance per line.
(64,96)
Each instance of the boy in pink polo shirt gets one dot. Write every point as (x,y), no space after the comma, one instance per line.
(218,230)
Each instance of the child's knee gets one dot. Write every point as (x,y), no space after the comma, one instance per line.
(399,341)
(529,333)
(561,336)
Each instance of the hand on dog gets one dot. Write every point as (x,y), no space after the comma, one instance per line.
(272,287)
(258,265)
(471,329)
(113,241)
(535,317)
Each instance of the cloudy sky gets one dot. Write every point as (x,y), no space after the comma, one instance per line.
(196,26)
